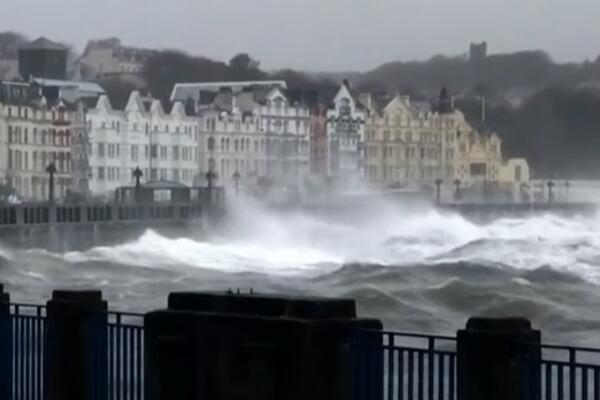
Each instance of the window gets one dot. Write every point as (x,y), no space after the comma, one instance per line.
(100,150)
(134,152)
(154,151)
(101,173)
(163,152)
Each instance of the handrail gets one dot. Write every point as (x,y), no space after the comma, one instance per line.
(410,335)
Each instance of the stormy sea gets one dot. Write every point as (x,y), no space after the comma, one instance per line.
(415,268)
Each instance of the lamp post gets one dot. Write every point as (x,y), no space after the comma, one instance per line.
(137,174)
(210,177)
(550,185)
(51,170)
(438,185)
(457,183)
(236,179)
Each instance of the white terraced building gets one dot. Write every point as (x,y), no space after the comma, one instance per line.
(164,145)
(254,133)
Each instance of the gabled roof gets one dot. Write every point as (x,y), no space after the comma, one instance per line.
(43,43)
(90,87)
(183,91)
(135,103)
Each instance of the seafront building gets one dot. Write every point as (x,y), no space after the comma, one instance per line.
(251,132)
(35,131)
(163,144)
(410,144)
(346,138)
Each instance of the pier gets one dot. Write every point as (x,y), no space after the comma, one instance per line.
(129,207)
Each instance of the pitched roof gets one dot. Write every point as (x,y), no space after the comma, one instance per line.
(183,91)
(81,86)
(43,43)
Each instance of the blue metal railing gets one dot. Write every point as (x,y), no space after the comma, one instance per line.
(567,373)
(413,366)
(123,365)
(125,356)
(28,328)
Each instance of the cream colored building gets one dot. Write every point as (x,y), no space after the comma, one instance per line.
(407,143)
(255,133)
(34,133)
(410,144)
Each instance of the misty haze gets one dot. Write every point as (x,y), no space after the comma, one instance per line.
(411,185)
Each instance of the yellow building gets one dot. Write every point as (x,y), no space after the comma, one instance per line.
(410,144)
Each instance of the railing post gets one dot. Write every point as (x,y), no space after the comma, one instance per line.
(498,359)
(228,346)
(6,346)
(76,346)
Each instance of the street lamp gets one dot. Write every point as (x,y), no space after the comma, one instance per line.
(438,185)
(236,178)
(457,183)
(137,174)
(51,170)
(210,177)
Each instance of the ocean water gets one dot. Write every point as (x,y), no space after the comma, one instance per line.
(416,269)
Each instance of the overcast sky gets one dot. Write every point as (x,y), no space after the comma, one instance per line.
(318,35)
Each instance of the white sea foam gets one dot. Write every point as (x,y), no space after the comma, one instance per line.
(257,240)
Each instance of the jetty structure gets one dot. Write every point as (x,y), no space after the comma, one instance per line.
(155,204)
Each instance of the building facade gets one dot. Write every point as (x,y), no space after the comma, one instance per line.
(319,143)
(287,127)
(36,132)
(345,130)
(232,144)
(253,131)
(409,144)
(163,145)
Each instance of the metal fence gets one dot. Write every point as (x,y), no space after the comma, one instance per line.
(28,342)
(122,365)
(413,366)
(567,373)
(125,356)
